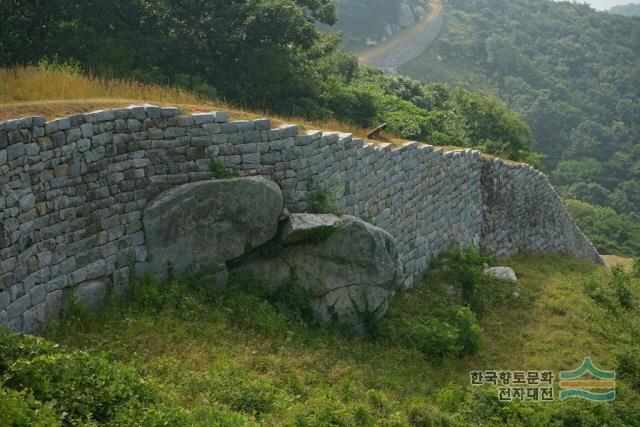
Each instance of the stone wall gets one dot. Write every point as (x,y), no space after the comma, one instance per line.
(72,192)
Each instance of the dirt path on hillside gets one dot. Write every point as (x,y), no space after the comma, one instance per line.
(410,35)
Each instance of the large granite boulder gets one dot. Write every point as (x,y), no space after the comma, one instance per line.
(350,267)
(210,222)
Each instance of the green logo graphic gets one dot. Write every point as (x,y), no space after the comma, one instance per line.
(588,382)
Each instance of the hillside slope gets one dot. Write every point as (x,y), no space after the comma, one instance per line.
(630,9)
(572,74)
(184,355)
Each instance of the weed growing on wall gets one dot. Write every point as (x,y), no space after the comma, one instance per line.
(320,200)
(218,169)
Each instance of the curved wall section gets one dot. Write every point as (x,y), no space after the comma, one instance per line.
(72,192)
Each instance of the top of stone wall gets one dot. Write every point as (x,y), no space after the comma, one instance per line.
(138,112)
(174,116)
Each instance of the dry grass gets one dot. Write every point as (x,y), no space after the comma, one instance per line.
(34,91)
(612,260)
(59,92)
(22,84)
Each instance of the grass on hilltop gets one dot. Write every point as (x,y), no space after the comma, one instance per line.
(52,90)
(184,354)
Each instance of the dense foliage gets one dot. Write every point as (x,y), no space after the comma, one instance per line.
(185,353)
(572,73)
(253,51)
(262,54)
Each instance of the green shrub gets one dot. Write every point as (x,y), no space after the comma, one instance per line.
(629,367)
(463,270)
(320,200)
(422,414)
(81,387)
(403,117)
(594,288)
(219,170)
(323,413)
(614,293)
(14,347)
(469,332)
(621,283)
(243,394)
(379,401)
(20,409)
(294,301)
(277,303)
(433,337)
(635,269)
(349,103)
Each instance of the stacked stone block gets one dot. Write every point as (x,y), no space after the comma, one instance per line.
(72,192)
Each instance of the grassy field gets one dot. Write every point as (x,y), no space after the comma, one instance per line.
(240,359)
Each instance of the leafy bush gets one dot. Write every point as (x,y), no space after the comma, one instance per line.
(462,270)
(242,394)
(320,200)
(621,283)
(293,300)
(469,332)
(614,293)
(21,409)
(453,336)
(80,388)
(611,232)
(47,386)
(629,367)
(636,267)
(83,387)
(14,347)
(325,413)
(354,103)
(219,170)
(423,414)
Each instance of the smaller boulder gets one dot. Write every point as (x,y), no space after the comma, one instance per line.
(349,267)
(299,227)
(502,273)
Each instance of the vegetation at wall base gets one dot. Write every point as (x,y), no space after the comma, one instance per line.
(186,353)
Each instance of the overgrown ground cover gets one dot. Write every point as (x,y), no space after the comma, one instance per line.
(183,353)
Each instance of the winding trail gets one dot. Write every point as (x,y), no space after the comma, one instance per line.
(386,55)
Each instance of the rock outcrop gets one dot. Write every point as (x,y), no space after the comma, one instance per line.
(502,273)
(350,267)
(210,222)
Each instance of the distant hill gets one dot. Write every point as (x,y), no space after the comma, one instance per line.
(626,10)
(573,74)
(366,23)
